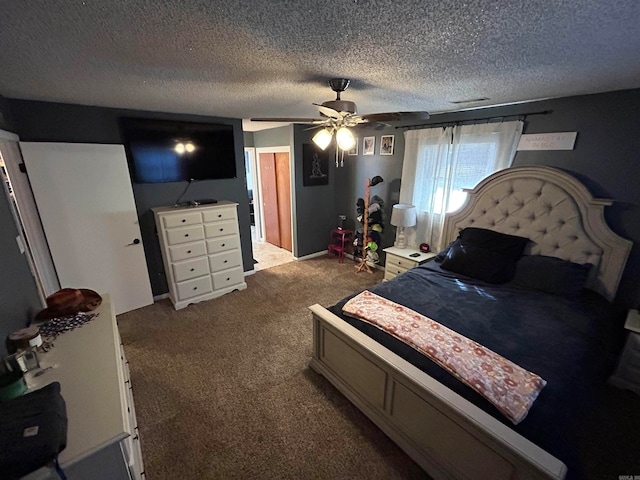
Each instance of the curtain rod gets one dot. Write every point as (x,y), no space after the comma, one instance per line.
(519,116)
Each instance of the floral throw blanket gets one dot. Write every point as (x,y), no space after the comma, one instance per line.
(511,388)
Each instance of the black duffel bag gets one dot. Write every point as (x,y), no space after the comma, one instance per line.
(33,431)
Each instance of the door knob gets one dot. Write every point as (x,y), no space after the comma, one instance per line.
(136,241)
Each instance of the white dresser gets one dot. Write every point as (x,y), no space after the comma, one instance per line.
(102,432)
(201,251)
(399,260)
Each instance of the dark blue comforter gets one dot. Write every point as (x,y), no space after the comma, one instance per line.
(571,343)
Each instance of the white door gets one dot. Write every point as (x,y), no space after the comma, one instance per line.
(85,199)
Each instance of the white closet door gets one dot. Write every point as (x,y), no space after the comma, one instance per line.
(85,199)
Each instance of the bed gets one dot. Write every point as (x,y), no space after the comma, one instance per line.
(446,427)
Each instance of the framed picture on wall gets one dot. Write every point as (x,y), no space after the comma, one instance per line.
(354,150)
(386,145)
(315,166)
(369,145)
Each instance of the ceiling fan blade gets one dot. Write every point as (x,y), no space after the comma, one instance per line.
(395,117)
(289,120)
(329,112)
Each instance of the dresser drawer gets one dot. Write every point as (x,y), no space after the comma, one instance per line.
(227,278)
(220,229)
(184,252)
(181,219)
(193,288)
(222,244)
(190,269)
(218,214)
(176,236)
(222,261)
(399,262)
(393,270)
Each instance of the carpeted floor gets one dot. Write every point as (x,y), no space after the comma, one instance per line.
(223,389)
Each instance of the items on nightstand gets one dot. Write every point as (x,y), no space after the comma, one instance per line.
(340,239)
(627,375)
(399,260)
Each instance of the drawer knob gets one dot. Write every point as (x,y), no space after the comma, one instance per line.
(192,269)
(184,220)
(195,288)
(186,234)
(228,279)
(222,229)
(226,261)
(223,244)
(188,251)
(219,215)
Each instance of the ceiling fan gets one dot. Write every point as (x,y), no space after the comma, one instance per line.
(340,115)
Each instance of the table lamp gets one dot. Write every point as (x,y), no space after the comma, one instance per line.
(403,215)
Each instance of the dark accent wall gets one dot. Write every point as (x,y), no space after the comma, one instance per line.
(55,122)
(606,158)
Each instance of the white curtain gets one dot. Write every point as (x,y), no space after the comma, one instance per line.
(440,162)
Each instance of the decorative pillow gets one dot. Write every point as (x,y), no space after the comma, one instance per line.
(480,263)
(484,254)
(443,253)
(551,275)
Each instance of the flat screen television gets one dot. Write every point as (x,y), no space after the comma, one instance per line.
(161,151)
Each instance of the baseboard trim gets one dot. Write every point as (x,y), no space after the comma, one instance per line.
(249,272)
(313,255)
(161,297)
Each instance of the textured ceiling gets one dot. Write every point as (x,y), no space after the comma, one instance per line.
(248,58)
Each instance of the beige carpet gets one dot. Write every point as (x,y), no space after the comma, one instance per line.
(223,389)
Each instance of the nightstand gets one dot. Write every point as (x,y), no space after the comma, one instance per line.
(627,374)
(399,260)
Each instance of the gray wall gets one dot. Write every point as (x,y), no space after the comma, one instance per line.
(55,122)
(606,158)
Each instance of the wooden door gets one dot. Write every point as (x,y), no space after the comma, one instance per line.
(268,186)
(85,199)
(283,184)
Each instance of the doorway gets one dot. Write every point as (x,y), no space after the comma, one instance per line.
(273,242)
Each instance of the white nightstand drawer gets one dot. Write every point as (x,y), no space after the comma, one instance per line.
(633,343)
(183,235)
(222,244)
(217,214)
(222,261)
(182,219)
(220,229)
(184,252)
(190,269)
(399,262)
(393,270)
(228,278)
(193,288)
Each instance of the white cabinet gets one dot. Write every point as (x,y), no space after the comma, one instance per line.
(201,251)
(399,260)
(627,375)
(102,431)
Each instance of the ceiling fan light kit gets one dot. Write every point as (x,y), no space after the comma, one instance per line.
(340,115)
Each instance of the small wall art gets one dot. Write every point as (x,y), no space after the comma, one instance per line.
(354,150)
(369,145)
(386,145)
(315,166)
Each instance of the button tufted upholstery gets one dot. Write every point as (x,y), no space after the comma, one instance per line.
(555,211)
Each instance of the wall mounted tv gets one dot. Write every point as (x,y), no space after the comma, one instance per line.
(161,151)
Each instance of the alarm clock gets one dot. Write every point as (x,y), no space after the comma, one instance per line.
(424,248)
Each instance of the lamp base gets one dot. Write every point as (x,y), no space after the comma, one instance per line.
(401,238)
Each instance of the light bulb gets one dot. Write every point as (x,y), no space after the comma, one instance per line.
(179,148)
(345,139)
(189,147)
(322,139)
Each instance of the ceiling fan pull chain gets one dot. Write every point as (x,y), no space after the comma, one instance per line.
(336,156)
(342,159)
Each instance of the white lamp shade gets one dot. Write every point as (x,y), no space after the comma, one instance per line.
(403,215)
(345,139)
(322,139)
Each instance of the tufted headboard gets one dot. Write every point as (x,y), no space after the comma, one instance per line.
(555,211)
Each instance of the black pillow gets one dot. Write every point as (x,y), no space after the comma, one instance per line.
(443,253)
(485,254)
(480,263)
(551,275)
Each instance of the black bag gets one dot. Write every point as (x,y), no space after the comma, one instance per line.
(33,430)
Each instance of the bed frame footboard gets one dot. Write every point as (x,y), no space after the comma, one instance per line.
(445,434)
